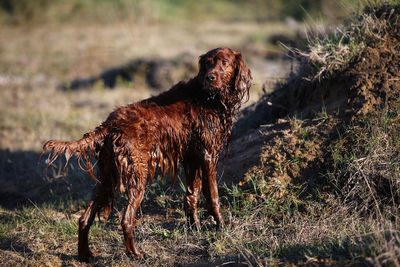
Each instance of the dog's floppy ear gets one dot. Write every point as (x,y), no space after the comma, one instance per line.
(202,64)
(243,76)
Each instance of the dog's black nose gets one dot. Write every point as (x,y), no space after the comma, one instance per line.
(211,77)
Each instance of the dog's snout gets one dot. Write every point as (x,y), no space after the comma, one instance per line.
(211,77)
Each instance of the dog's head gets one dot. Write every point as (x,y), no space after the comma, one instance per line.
(224,75)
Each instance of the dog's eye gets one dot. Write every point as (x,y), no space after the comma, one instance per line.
(224,63)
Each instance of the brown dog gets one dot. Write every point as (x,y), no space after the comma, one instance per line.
(191,124)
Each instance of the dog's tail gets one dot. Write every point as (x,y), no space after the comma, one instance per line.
(84,149)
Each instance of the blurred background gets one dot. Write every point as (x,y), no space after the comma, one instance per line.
(74,42)
(59,58)
(65,65)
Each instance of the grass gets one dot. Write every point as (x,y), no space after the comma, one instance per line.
(331,51)
(258,235)
(368,172)
(366,178)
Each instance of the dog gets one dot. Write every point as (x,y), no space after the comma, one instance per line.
(190,124)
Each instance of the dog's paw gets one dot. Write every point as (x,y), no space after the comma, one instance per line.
(137,254)
(86,256)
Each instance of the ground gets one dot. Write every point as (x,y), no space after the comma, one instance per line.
(311,177)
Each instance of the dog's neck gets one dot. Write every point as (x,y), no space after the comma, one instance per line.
(228,103)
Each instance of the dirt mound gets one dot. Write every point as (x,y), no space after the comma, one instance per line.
(296,127)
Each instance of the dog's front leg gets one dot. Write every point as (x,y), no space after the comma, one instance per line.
(210,188)
(193,188)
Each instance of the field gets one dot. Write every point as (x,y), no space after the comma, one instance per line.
(312,177)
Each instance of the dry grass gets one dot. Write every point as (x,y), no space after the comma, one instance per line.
(331,50)
(367,174)
(265,231)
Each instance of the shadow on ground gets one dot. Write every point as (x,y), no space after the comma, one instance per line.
(24,181)
(154,73)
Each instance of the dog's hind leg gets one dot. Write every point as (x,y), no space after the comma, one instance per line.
(85,221)
(102,198)
(135,196)
(109,179)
